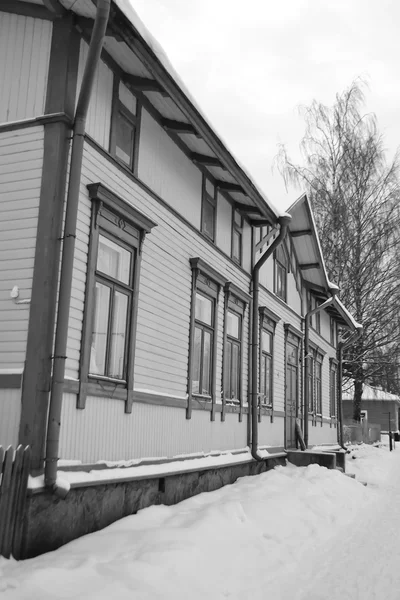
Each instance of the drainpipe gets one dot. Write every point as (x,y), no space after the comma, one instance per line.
(64,294)
(324,305)
(343,344)
(284,223)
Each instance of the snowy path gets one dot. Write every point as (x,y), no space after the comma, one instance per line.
(289,534)
(365,563)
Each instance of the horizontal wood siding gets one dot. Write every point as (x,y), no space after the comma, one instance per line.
(98,122)
(24,62)
(321,435)
(164,294)
(10,410)
(103,431)
(168,172)
(271,434)
(21,158)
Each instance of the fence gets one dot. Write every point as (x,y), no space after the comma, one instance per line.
(361,432)
(14,472)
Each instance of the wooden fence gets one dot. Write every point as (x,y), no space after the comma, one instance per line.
(14,472)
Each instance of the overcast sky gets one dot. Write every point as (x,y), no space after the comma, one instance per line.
(251,63)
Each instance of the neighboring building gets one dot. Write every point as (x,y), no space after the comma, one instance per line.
(377,407)
(169,227)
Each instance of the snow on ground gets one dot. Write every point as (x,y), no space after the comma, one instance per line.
(291,533)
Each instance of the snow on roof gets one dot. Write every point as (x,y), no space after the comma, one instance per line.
(349,316)
(370,394)
(126,7)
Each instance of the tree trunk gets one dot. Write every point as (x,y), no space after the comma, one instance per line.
(358,390)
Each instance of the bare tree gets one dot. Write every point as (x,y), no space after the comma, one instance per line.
(355,194)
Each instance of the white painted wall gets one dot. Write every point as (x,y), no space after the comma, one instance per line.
(24,63)
(271,434)
(21,159)
(98,124)
(326,434)
(10,410)
(168,172)
(104,431)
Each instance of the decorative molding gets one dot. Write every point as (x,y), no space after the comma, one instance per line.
(199,264)
(233,289)
(269,314)
(10,381)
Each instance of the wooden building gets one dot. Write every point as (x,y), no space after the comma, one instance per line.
(377,406)
(169,229)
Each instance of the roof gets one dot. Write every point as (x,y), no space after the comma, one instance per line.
(147,71)
(370,394)
(305,239)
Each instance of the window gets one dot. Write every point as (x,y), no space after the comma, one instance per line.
(117,233)
(266,367)
(318,385)
(333,388)
(281,270)
(268,321)
(206,284)
(237,234)
(125,125)
(114,275)
(233,349)
(311,363)
(333,332)
(209,209)
(203,344)
(317,319)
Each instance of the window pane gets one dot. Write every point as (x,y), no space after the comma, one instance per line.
(236,245)
(204,309)
(268,380)
(206,383)
(196,361)
(118,335)
(100,326)
(228,370)
(233,325)
(208,218)
(127,98)
(125,136)
(235,371)
(113,260)
(266,342)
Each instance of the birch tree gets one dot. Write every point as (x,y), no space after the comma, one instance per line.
(355,192)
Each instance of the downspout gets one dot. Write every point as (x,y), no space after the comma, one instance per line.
(284,223)
(324,305)
(71,213)
(343,344)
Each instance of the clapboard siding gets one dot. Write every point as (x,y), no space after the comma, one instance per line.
(21,159)
(326,434)
(98,122)
(103,432)
(10,410)
(271,434)
(24,62)
(165,283)
(329,352)
(168,172)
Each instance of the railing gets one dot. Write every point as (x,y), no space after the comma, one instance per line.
(14,473)
(361,432)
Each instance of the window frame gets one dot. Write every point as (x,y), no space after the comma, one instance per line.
(268,321)
(135,120)
(126,225)
(238,230)
(283,267)
(332,332)
(212,200)
(333,388)
(207,281)
(318,384)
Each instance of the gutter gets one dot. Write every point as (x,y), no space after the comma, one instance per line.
(341,346)
(255,279)
(331,300)
(64,294)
